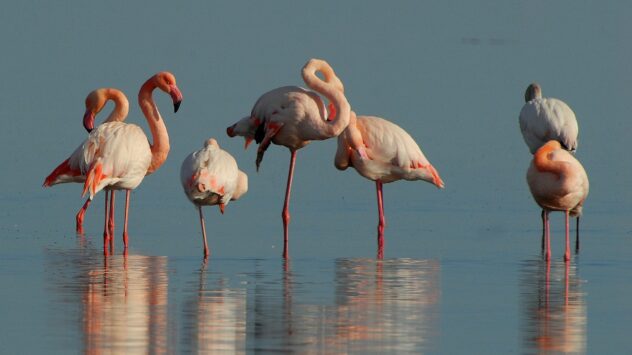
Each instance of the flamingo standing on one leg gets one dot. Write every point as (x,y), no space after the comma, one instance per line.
(292,116)
(542,119)
(209,177)
(558,182)
(383,152)
(118,155)
(69,171)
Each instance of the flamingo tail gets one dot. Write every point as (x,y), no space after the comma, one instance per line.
(63,169)
(93,179)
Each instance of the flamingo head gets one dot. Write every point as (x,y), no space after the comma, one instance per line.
(533,92)
(95,101)
(167,83)
(245,127)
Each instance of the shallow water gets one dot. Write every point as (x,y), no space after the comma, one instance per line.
(462,271)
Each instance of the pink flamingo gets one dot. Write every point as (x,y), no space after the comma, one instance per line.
(117,155)
(558,182)
(292,116)
(69,171)
(381,151)
(210,177)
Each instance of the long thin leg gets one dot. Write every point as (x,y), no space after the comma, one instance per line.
(567,252)
(577,236)
(382,222)
(547,236)
(125,236)
(542,230)
(80,216)
(206,252)
(106,230)
(111,221)
(285,215)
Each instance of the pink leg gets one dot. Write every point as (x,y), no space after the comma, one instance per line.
(567,253)
(382,221)
(111,221)
(125,237)
(80,215)
(547,236)
(206,252)
(106,230)
(285,215)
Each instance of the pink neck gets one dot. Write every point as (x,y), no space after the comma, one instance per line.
(332,90)
(543,162)
(160,146)
(121,106)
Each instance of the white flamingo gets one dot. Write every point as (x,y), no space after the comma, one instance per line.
(210,177)
(381,151)
(70,172)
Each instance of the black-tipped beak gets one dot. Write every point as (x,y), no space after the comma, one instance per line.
(176,96)
(88,121)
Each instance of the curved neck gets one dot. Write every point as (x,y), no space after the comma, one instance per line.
(121,106)
(353,134)
(543,162)
(160,146)
(332,92)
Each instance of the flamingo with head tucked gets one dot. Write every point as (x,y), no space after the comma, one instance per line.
(69,171)
(118,155)
(558,182)
(210,176)
(381,151)
(544,118)
(292,116)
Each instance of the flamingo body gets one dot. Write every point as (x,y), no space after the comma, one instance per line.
(558,182)
(543,119)
(121,150)
(210,176)
(393,154)
(564,189)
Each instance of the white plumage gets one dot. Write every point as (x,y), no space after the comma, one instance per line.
(210,176)
(123,152)
(544,119)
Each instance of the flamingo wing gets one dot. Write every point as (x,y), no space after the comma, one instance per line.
(115,154)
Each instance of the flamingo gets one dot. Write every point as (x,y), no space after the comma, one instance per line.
(381,151)
(558,182)
(118,155)
(69,171)
(542,119)
(210,177)
(292,117)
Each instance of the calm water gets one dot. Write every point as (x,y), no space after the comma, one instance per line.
(462,271)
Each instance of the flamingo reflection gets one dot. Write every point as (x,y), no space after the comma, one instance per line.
(390,305)
(215,318)
(554,306)
(125,306)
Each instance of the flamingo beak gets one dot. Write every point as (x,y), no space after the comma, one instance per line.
(230,131)
(88,121)
(176,97)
